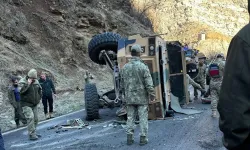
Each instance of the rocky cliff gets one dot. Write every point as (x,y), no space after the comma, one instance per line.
(184,20)
(53,35)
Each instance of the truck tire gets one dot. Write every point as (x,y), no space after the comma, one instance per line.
(91,102)
(104,41)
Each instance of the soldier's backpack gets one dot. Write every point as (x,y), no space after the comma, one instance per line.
(214,70)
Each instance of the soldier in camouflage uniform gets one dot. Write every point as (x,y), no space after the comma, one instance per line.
(215,84)
(201,77)
(31,94)
(138,89)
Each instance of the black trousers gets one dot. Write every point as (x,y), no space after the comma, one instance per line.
(46,100)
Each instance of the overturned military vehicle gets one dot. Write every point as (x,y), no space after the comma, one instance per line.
(164,59)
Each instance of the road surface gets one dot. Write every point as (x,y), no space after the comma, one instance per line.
(182,132)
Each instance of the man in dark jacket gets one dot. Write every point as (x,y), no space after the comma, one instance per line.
(31,94)
(234,100)
(47,88)
(1,141)
(14,99)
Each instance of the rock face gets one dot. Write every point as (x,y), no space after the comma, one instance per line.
(183,20)
(53,35)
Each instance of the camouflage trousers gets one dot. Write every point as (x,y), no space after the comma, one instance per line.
(19,116)
(202,84)
(143,118)
(215,92)
(31,115)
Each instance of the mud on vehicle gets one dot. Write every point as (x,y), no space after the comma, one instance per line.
(164,59)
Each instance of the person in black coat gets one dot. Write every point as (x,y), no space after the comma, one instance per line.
(48,89)
(234,100)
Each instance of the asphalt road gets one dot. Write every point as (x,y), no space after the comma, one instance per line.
(182,132)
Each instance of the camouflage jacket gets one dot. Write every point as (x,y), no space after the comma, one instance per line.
(136,82)
(221,65)
(192,82)
(201,74)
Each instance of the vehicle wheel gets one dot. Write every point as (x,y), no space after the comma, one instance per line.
(91,102)
(105,41)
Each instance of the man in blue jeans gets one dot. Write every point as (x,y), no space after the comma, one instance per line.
(1,141)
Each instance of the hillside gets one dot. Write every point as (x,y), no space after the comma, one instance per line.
(184,20)
(53,35)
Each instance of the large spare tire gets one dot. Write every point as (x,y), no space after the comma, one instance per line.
(104,41)
(91,102)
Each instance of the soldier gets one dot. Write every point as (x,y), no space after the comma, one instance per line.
(14,98)
(31,94)
(234,101)
(138,89)
(200,79)
(216,70)
(192,82)
(48,89)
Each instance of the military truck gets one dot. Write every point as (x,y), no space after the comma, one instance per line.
(164,59)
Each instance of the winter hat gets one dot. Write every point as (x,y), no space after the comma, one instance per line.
(136,48)
(32,73)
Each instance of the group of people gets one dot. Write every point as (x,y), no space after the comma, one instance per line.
(214,71)
(229,88)
(25,94)
(138,89)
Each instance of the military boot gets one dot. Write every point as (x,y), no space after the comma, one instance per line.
(47,116)
(214,113)
(130,139)
(51,115)
(143,140)
(17,124)
(33,137)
